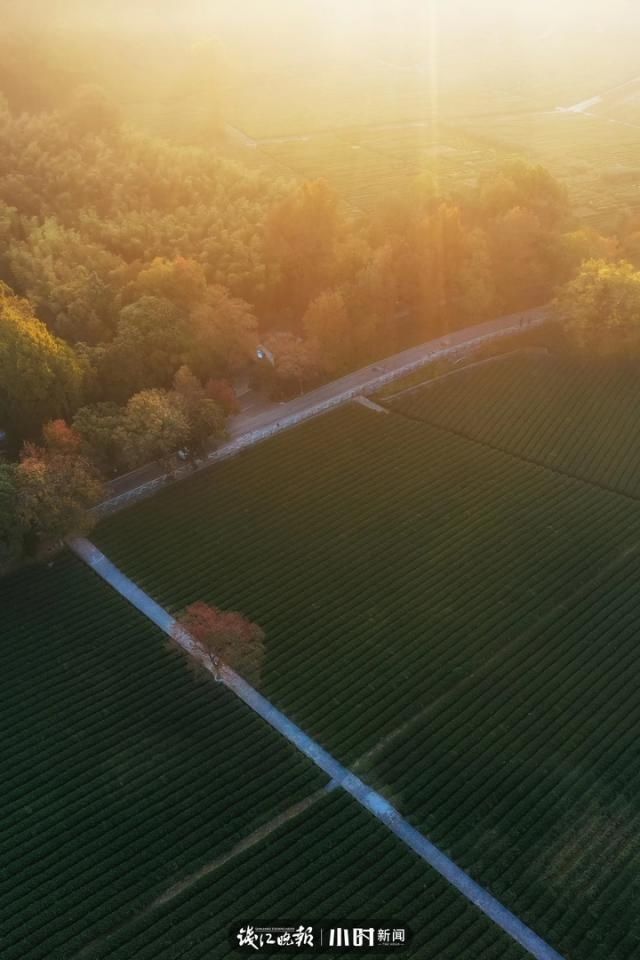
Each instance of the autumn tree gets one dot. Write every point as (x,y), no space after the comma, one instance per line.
(628,236)
(378,320)
(153,427)
(439,250)
(106,203)
(529,186)
(98,427)
(222,334)
(577,246)
(396,214)
(475,299)
(40,376)
(600,309)
(326,325)
(206,424)
(155,337)
(224,638)
(521,258)
(296,366)
(59,438)
(34,73)
(224,394)
(55,491)
(204,416)
(148,348)
(187,386)
(145,256)
(180,280)
(67,277)
(301,233)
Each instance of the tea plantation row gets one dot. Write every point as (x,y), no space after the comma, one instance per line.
(123,777)
(334,862)
(577,419)
(528,772)
(386,560)
(402,571)
(369,164)
(120,773)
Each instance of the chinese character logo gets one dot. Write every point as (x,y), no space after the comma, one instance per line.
(247,937)
(336,936)
(303,937)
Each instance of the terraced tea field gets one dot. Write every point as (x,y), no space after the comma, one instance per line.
(120,774)
(329,95)
(369,164)
(333,862)
(583,422)
(597,158)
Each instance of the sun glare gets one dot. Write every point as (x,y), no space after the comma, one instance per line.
(320,479)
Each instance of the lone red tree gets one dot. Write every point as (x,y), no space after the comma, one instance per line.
(225,637)
(223,393)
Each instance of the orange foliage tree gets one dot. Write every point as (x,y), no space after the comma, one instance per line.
(56,486)
(225,637)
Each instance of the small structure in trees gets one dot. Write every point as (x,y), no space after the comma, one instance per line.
(289,366)
(225,638)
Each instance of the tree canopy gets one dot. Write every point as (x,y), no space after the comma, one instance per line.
(601,309)
(55,487)
(225,638)
(40,377)
(132,257)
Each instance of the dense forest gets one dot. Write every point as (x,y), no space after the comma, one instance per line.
(138,276)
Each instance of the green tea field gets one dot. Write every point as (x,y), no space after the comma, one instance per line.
(346,560)
(454,622)
(120,774)
(595,155)
(369,164)
(528,772)
(334,861)
(581,422)
(143,812)
(309,97)
(596,158)
(451,609)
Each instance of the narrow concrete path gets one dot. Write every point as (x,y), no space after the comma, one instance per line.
(460,371)
(248,428)
(370,799)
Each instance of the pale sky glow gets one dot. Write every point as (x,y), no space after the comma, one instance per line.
(555,51)
(348,15)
